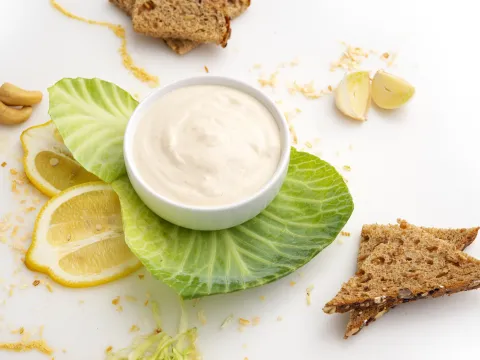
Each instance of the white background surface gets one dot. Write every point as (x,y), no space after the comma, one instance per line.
(420,163)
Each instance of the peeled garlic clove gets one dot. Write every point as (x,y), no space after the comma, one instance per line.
(389,91)
(352,95)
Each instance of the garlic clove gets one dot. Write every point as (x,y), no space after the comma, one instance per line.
(390,91)
(352,96)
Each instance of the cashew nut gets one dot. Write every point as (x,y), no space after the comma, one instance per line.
(13,116)
(15,96)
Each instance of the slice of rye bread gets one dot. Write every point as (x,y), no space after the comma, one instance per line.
(371,236)
(196,20)
(233,9)
(412,265)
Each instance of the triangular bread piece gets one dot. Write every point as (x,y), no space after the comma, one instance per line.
(412,265)
(201,21)
(371,236)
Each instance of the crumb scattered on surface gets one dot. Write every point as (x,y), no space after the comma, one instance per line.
(279,318)
(36,282)
(293,283)
(347,168)
(108,349)
(134,328)
(116,301)
(262,298)
(256,321)
(308,90)
(4,164)
(271,81)
(350,59)
(206,69)
(141,276)
(308,144)
(243,322)
(344,233)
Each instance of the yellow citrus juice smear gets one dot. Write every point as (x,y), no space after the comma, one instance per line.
(119,31)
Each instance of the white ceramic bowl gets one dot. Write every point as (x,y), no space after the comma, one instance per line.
(207,218)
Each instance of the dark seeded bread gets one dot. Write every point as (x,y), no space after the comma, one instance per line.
(182,19)
(412,265)
(233,9)
(373,235)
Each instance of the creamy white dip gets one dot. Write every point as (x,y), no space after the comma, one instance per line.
(207,145)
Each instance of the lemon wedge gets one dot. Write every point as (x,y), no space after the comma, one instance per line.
(48,164)
(352,95)
(389,91)
(78,238)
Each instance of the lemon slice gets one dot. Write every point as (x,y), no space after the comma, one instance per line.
(389,91)
(352,95)
(48,163)
(78,238)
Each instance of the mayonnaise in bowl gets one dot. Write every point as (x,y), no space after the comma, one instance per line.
(207,145)
(207,153)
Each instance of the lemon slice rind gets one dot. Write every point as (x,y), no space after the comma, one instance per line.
(45,258)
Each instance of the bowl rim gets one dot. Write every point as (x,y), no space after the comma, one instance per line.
(234,83)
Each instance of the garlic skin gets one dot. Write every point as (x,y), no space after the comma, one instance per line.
(352,96)
(390,91)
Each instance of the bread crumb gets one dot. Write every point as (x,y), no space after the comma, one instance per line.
(271,81)
(344,233)
(293,283)
(13,172)
(308,144)
(119,31)
(30,209)
(36,283)
(255,321)
(347,168)
(243,322)
(262,298)
(308,90)
(134,328)
(206,69)
(279,318)
(201,317)
(49,287)
(350,59)
(145,303)
(116,301)
(141,276)
(385,55)
(119,308)
(108,349)
(4,164)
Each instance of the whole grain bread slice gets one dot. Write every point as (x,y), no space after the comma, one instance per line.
(373,235)
(412,265)
(233,9)
(197,20)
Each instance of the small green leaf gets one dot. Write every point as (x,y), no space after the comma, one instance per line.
(311,209)
(91,116)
